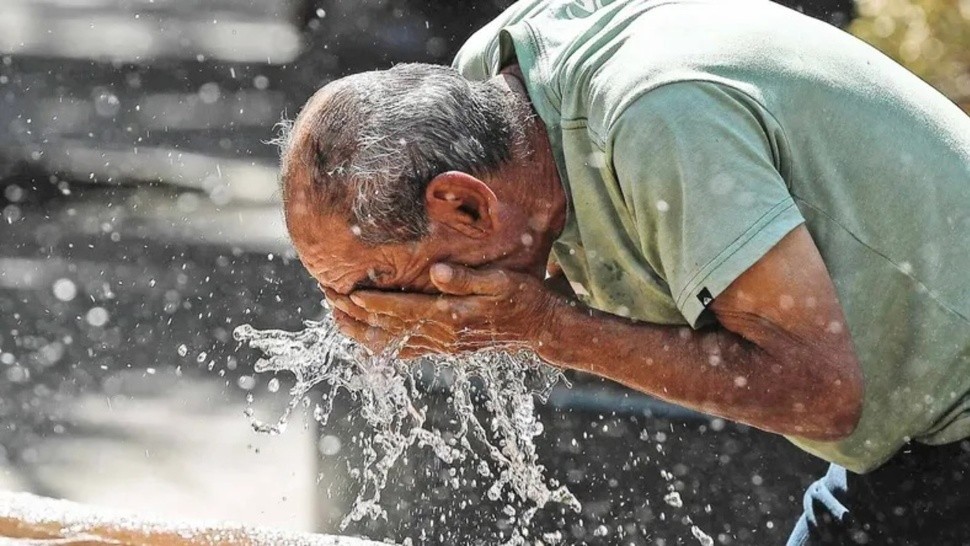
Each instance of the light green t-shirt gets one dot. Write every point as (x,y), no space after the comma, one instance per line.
(692,135)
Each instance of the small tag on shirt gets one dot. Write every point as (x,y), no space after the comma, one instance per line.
(579,289)
(705,297)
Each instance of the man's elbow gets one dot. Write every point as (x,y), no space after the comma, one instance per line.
(849,395)
(839,402)
(845,418)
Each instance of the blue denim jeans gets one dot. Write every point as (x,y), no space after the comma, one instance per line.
(919,497)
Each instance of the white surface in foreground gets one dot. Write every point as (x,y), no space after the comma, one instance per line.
(80,520)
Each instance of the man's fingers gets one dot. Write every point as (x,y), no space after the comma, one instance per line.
(405,306)
(329,292)
(433,316)
(364,334)
(462,281)
(371,317)
(377,340)
(417,347)
(344,303)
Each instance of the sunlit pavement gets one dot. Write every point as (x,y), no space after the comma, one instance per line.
(106,291)
(179,449)
(136,434)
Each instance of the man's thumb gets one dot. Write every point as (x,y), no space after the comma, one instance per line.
(462,281)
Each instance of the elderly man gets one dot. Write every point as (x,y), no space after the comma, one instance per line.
(761,217)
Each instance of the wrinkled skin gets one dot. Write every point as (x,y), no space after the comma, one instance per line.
(503,226)
(475,310)
(476,281)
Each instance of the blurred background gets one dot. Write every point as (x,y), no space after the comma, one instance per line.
(140,223)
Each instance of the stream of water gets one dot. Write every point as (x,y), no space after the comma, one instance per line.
(491,397)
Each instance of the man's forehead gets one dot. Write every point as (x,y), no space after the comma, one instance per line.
(312,231)
(301,154)
(303,127)
(329,265)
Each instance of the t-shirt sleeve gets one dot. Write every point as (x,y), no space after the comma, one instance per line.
(698,165)
(471,60)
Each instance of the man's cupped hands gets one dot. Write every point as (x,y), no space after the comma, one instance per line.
(476,309)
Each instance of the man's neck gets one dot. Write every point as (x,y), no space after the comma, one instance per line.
(554,201)
(511,77)
(514,80)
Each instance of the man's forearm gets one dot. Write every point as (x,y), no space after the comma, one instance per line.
(781,389)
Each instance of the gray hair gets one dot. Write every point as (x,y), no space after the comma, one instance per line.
(380,137)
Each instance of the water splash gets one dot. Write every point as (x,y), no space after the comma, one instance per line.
(703,538)
(501,446)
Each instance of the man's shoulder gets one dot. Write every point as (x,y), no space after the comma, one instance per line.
(587,61)
(555,25)
(479,57)
(590,57)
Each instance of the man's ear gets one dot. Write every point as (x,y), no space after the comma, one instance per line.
(462,202)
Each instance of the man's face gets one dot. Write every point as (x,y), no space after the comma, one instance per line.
(331,251)
(508,221)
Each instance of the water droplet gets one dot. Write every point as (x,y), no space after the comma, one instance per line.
(209,93)
(13,193)
(97,316)
(106,104)
(329,445)
(673,499)
(703,538)
(65,289)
